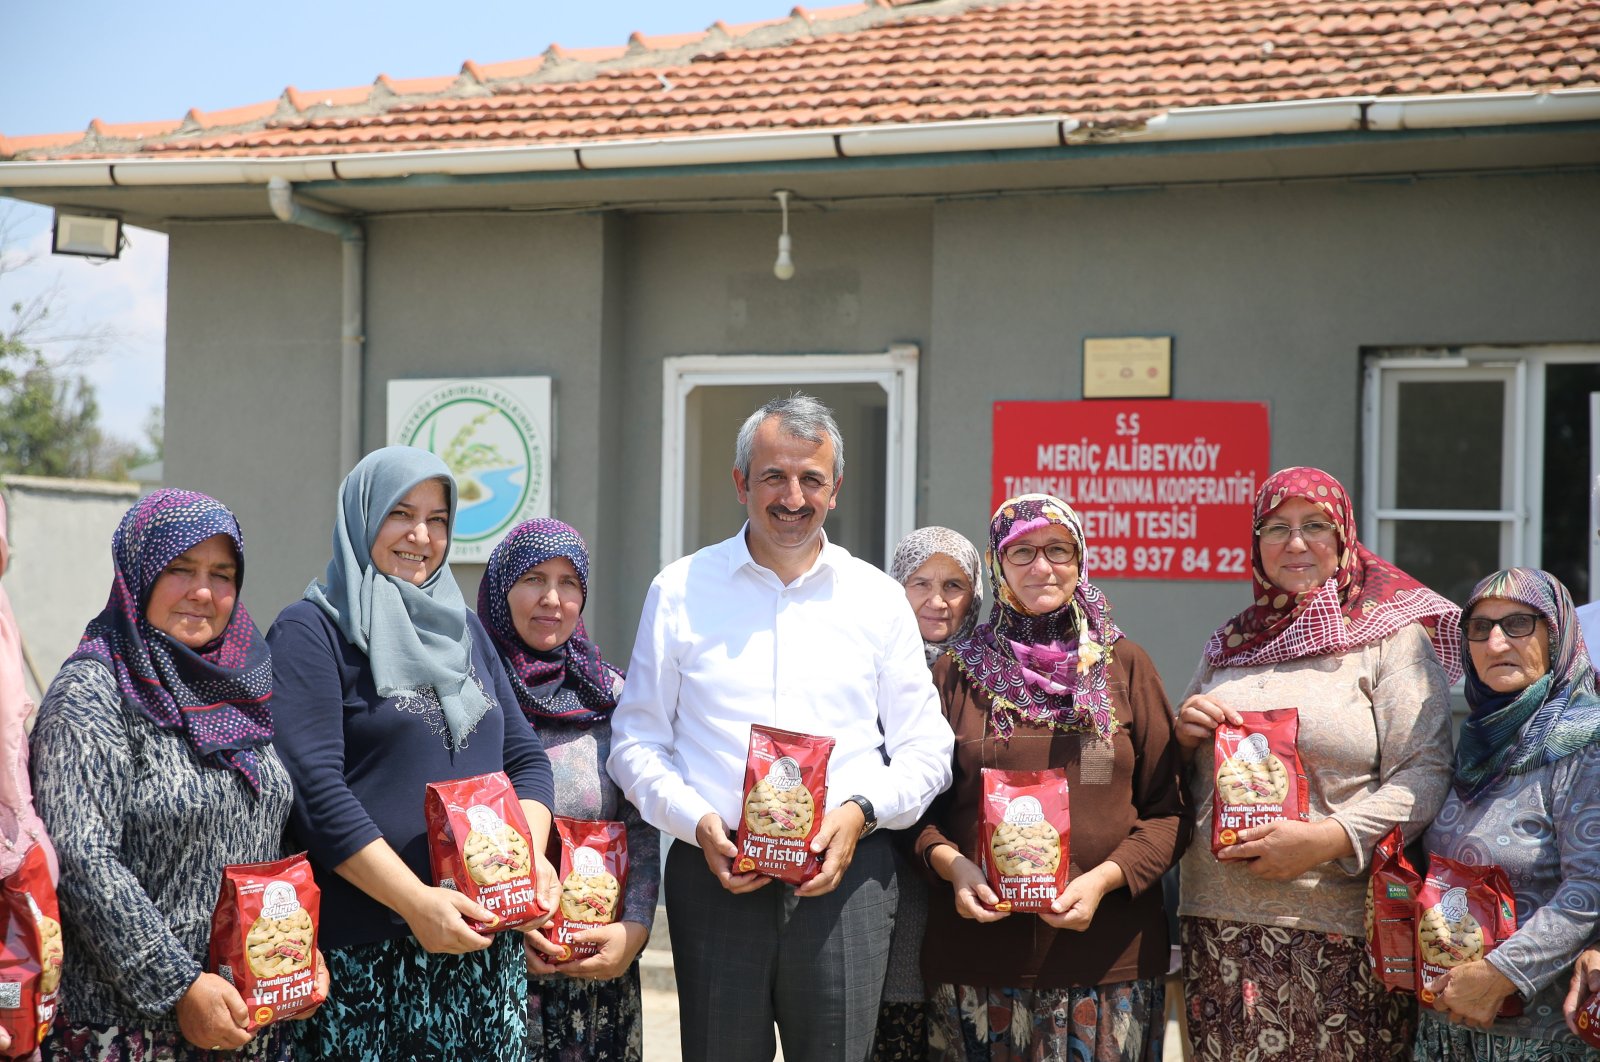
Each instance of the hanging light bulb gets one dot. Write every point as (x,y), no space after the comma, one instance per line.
(783,268)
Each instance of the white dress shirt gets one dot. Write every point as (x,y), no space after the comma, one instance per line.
(1589,623)
(723,644)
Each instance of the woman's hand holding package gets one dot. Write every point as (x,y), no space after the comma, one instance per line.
(620,943)
(1585,983)
(437,918)
(1472,992)
(974,898)
(1199,717)
(324,984)
(1074,909)
(1285,849)
(212,1015)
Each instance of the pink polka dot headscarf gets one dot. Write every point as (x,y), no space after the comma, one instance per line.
(1365,601)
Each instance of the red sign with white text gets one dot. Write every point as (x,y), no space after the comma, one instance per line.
(1165,489)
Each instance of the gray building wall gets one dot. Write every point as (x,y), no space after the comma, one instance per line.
(1271,293)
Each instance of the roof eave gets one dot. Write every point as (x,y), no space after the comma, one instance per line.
(1296,117)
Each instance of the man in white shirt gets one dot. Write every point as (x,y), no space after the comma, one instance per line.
(778,626)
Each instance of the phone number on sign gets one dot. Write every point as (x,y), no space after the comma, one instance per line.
(1111,561)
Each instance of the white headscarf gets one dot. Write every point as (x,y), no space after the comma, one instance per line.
(913,552)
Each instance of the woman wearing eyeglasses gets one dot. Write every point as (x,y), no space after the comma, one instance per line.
(1275,962)
(1051,682)
(1525,796)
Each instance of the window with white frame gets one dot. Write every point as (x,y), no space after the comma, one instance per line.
(1481,458)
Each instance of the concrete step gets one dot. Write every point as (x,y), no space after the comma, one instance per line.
(655,962)
(656,972)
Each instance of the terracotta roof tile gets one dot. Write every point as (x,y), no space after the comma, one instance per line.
(1107,62)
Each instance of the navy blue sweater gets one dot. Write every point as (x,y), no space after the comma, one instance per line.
(360,762)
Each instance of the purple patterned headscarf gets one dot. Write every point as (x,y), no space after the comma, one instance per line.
(577,662)
(218,696)
(1048,670)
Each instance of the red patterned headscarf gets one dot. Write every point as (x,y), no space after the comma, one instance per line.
(1365,601)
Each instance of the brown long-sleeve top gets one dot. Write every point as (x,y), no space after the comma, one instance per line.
(1128,805)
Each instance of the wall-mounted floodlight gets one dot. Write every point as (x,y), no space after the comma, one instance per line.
(87,235)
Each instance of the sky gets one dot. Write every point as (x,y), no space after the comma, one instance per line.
(66,62)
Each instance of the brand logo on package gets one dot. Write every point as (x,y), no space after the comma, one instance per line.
(785,773)
(494,433)
(1024,811)
(279,900)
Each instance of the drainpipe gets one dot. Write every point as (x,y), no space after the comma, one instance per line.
(352,344)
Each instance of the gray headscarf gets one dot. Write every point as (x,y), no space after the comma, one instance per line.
(415,636)
(913,552)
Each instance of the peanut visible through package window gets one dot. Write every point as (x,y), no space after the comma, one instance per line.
(778,805)
(495,852)
(279,942)
(590,893)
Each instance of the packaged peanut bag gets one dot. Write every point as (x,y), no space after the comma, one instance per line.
(479,844)
(1391,914)
(594,872)
(785,795)
(30,953)
(1257,773)
(1025,832)
(264,937)
(1588,1021)
(1463,913)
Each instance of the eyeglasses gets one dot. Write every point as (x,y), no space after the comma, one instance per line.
(1023,554)
(1514,625)
(1314,531)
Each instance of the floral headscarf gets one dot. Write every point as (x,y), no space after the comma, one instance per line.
(577,662)
(1365,601)
(1048,670)
(215,696)
(1513,733)
(913,552)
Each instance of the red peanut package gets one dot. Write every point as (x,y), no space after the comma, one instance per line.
(1588,1021)
(1026,828)
(594,872)
(264,937)
(479,844)
(1463,913)
(30,965)
(785,795)
(1258,774)
(1391,914)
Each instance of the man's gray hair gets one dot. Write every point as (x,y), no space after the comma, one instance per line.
(798,415)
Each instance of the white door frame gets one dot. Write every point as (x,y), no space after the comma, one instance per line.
(894,370)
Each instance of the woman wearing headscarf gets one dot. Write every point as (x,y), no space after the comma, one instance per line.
(153,770)
(1050,682)
(386,682)
(1525,797)
(943,578)
(1274,929)
(531,599)
(20,827)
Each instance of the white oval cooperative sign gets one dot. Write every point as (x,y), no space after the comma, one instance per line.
(494,433)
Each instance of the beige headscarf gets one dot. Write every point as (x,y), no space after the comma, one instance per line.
(20,828)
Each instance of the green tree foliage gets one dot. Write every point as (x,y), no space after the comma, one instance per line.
(49,417)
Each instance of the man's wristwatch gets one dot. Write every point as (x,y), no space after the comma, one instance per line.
(867,813)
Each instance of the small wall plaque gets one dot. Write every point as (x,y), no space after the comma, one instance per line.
(1127,367)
